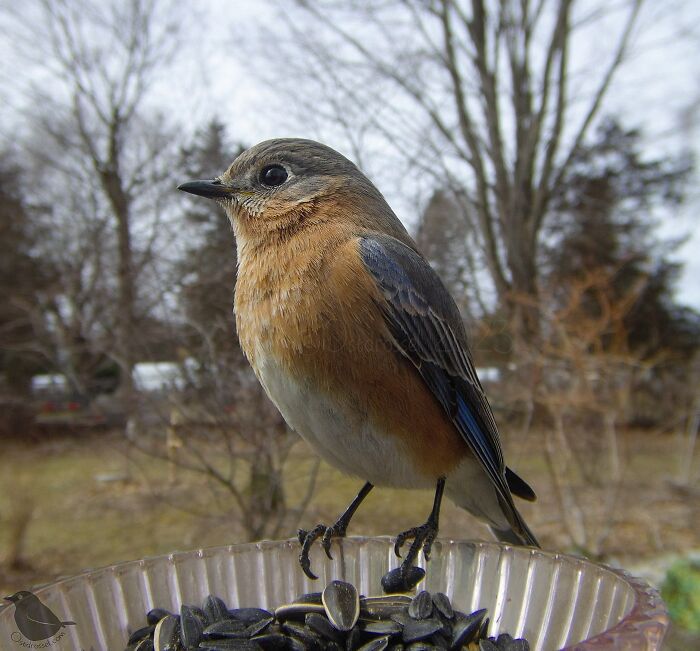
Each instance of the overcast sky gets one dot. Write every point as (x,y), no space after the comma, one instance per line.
(218,77)
(660,81)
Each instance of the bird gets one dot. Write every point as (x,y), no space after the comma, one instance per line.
(357,341)
(35,620)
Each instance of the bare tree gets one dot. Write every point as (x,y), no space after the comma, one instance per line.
(93,129)
(443,241)
(586,378)
(22,275)
(481,96)
(72,316)
(57,309)
(215,420)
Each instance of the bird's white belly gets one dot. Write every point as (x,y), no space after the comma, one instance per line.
(341,435)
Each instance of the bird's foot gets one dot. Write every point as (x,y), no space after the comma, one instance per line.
(422,536)
(307,538)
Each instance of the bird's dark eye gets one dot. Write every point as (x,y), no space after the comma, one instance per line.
(273,175)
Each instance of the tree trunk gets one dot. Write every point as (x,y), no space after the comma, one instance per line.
(125,334)
(523,299)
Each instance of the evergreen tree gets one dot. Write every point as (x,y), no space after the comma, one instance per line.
(442,238)
(21,276)
(223,389)
(208,268)
(606,225)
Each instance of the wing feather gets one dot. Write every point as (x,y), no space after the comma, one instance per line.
(427,329)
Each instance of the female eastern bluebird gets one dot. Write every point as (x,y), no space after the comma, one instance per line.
(357,341)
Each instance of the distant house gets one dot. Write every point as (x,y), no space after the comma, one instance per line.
(149,377)
(49,384)
(154,377)
(159,377)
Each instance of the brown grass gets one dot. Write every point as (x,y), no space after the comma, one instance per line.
(97,502)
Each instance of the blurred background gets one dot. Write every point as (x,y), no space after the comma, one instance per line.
(543,154)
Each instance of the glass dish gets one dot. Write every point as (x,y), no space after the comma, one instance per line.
(554,600)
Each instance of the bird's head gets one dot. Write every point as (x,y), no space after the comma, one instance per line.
(280,185)
(19,596)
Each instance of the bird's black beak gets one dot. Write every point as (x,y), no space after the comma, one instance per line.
(11,598)
(213,189)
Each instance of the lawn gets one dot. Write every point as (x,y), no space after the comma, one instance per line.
(94,501)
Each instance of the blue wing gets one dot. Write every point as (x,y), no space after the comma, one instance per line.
(427,328)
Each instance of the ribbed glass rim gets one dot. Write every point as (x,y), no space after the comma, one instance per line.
(643,627)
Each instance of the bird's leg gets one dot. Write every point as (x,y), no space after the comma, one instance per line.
(424,535)
(338,530)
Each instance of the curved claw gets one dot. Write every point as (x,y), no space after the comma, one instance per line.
(301,535)
(402,538)
(423,538)
(306,566)
(304,560)
(307,538)
(428,544)
(326,542)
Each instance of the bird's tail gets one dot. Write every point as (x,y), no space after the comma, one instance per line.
(509,536)
(518,533)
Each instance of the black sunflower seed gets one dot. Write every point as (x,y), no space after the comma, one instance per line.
(297,610)
(250,615)
(442,602)
(386,599)
(440,641)
(226,628)
(342,604)
(141,633)
(155,615)
(166,636)
(258,627)
(484,630)
(354,639)
(214,609)
(294,644)
(384,627)
(199,614)
(421,645)
(271,641)
(378,644)
(419,629)
(323,627)
(513,644)
(421,607)
(310,598)
(396,581)
(191,627)
(230,645)
(466,629)
(311,639)
(487,645)
(377,608)
(336,620)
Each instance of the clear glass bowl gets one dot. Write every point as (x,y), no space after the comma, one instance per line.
(553,600)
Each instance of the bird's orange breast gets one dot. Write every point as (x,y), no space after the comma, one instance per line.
(311,305)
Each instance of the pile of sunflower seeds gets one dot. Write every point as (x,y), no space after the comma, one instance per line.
(338,619)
